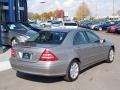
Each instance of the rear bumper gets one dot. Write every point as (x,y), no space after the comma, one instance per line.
(40,68)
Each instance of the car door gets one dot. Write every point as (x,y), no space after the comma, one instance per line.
(98,49)
(4,35)
(83,49)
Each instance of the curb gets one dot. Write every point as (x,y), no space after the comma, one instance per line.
(5,66)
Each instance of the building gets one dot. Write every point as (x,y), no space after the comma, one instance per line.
(13,11)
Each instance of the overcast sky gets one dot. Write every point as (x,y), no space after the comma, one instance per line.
(70,6)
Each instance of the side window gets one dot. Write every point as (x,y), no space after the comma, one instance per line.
(79,39)
(92,37)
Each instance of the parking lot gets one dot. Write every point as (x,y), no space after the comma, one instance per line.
(102,76)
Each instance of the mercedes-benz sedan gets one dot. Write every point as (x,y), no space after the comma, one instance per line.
(61,52)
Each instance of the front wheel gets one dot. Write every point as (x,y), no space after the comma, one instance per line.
(110,56)
(73,71)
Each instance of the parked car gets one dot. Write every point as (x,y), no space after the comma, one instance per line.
(13,33)
(84,23)
(112,29)
(103,26)
(33,26)
(96,23)
(61,52)
(56,24)
(45,24)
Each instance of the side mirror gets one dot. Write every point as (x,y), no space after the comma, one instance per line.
(102,41)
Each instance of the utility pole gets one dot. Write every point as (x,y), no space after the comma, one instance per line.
(96,8)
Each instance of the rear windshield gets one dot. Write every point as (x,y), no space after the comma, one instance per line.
(70,24)
(48,37)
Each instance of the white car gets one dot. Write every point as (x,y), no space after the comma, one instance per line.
(70,25)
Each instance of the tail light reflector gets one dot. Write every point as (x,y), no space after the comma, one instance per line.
(13,53)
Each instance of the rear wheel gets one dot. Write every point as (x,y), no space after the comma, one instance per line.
(110,56)
(72,72)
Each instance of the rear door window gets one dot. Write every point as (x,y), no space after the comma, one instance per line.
(79,39)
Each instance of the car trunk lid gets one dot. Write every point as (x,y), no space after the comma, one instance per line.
(31,52)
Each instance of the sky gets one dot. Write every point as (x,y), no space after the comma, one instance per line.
(104,7)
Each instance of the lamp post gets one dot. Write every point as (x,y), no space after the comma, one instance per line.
(113,7)
(42,2)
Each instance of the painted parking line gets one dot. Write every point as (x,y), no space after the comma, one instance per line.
(5,65)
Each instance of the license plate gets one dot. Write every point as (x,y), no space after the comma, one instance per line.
(26,56)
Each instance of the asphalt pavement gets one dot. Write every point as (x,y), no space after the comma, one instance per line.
(102,76)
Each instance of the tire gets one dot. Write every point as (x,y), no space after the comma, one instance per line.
(110,56)
(13,42)
(73,71)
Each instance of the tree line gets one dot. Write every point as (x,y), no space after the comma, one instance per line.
(81,13)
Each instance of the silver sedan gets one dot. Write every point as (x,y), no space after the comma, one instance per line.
(61,52)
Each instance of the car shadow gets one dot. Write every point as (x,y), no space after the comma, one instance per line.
(92,66)
(44,79)
(37,78)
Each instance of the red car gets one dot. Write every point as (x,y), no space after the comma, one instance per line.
(112,29)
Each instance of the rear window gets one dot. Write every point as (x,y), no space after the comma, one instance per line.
(48,37)
(70,24)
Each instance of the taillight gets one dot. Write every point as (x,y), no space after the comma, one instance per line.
(13,53)
(47,55)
